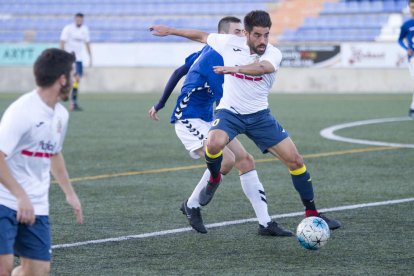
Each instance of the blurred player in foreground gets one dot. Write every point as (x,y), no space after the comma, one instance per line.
(32,132)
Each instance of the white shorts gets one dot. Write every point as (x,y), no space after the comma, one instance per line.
(411,66)
(192,133)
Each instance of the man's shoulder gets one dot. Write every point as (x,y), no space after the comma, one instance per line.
(273,50)
(408,23)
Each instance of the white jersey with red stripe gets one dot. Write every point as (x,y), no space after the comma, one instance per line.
(244,94)
(30,133)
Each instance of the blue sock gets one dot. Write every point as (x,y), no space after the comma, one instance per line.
(303,184)
(213,162)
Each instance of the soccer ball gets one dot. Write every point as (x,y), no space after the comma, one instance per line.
(313,233)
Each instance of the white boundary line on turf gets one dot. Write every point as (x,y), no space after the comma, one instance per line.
(227,223)
(328,133)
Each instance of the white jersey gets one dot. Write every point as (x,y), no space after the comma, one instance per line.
(75,39)
(30,133)
(244,94)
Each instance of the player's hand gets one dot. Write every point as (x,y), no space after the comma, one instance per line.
(73,201)
(25,210)
(159,30)
(225,69)
(152,113)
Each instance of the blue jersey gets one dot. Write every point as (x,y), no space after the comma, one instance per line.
(202,88)
(407,32)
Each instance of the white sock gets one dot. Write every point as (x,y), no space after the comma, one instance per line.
(254,191)
(193,200)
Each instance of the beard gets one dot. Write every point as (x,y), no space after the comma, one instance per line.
(65,92)
(256,49)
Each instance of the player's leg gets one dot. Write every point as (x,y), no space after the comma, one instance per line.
(75,91)
(6,264)
(8,233)
(411,69)
(193,133)
(34,247)
(32,267)
(250,182)
(287,152)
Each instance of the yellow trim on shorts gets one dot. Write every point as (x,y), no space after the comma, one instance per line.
(298,171)
(213,155)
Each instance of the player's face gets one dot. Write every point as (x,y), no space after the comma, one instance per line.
(66,88)
(257,40)
(236,29)
(78,21)
(411,7)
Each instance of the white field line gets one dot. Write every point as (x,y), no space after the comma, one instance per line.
(328,133)
(227,223)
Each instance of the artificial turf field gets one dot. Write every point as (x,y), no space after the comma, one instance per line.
(132,174)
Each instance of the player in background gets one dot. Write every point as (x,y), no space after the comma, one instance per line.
(406,40)
(32,131)
(192,118)
(250,66)
(72,39)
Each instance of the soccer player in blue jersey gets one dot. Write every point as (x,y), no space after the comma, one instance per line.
(250,66)
(192,117)
(406,40)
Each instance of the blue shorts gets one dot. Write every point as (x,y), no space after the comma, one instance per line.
(23,240)
(261,127)
(79,68)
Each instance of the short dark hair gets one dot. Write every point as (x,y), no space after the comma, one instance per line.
(79,14)
(224,23)
(257,19)
(51,64)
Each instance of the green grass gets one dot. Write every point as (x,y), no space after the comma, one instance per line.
(114,135)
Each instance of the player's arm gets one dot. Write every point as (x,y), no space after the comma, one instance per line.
(59,172)
(254,69)
(88,48)
(25,210)
(196,35)
(169,88)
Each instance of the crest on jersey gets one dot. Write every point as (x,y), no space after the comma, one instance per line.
(216,122)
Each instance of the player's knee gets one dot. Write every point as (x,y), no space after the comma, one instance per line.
(5,270)
(245,164)
(214,146)
(296,162)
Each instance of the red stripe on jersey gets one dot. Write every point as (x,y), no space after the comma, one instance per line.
(37,154)
(244,77)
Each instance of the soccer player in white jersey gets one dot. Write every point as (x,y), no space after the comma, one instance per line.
(72,39)
(250,66)
(32,131)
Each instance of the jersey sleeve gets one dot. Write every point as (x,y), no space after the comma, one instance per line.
(274,56)
(13,126)
(63,135)
(403,34)
(64,36)
(218,41)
